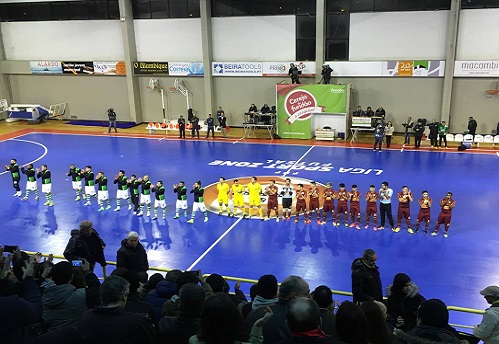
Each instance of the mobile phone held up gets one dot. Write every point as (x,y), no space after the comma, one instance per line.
(77,262)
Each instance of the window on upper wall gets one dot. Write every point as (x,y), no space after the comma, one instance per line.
(98,10)
(178,9)
(60,11)
(78,10)
(193,9)
(337,36)
(361,5)
(337,50)
(385,5)
(337,6)
(306,7)
(42,10)
(479,4)
(437,4)
(305,49)
(305,37)
(20,12)
(411,5)
(285,7)
(221,8)
(159,9)
(241,8)
(262,7)
(141,9)
(114,9)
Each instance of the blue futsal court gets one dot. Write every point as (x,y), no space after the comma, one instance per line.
(453,269)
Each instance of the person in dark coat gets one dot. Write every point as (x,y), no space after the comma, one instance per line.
(366,283)
(133,256)
(323,296)
(294,73)
(326,73)
(418,134)
(380,112)
(433,126)
(433,326)
(178,329)
(472,125)
(304,322)
(86,243)
(403,302)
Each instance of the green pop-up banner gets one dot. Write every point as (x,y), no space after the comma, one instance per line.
(296,103)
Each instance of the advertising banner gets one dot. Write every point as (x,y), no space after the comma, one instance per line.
(281,68)
(296,103)
(76,68)
(140,67)
(348,68)
(414,68)
(237,68)
(45,67)
(109,68)
(186,68)
(477,69)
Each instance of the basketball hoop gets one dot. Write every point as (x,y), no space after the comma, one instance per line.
(172,89)
(491,93)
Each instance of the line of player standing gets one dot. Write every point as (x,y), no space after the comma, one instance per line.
(347,204)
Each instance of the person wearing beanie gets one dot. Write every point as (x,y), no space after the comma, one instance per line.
(433,326)
(488,330)
(403,302)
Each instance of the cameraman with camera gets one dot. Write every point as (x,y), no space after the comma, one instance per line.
(112,120)
(326,73)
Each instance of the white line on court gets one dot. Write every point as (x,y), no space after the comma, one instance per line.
(33,142)
(213,245)
(297,161)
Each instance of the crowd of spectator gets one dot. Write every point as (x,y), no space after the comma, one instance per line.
(43,302)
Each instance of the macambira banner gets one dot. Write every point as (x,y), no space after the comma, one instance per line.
(296,103)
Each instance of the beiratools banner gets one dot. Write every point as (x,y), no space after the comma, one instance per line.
(140,67)
(414,68)
(45,67)
(296,103)
(237,68)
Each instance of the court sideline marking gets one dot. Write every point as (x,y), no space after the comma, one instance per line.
(31,162)
(297,161)
(213,245)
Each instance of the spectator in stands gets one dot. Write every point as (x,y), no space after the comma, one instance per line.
(418,134)
(221,112)
(164,291)
(134,304)
(210,123)
(265,108)
(87,244)
(133,256)
(379,333)
(472,125)
(488,330)
(267,291)
(323,296)
(389,129)
(408,127)
(294,73)
(195,126)
(22,307)
(379,132)
(304,322)
(326,73)
(403,302)
(380,112)
(150,285)
(433,126)
(181,127)
(366,283)
(171,307)
(433,318)
(245,308)
(369,112)
(222,120)
(63,304)
(443,130)
(359,112)
(275,329)
(222,323)
(252,108)
(110,323)
(178,329)
(218,284)
(112,120)
(351,324)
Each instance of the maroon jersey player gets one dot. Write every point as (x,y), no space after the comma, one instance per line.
(447,204)
(328,205)
(424,211)
(372,206)
(271,192)
(313,204)
(342,206)
(404,210)
(301,203)
(355,207)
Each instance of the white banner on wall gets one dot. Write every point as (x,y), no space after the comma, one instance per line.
(477,69)
(237,68)
(45,67)
(281,68)
(186,68)
(347,68)
(109,68)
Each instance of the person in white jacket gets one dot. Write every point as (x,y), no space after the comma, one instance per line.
(488,330)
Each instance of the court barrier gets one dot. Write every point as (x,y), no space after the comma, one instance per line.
(340,293)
